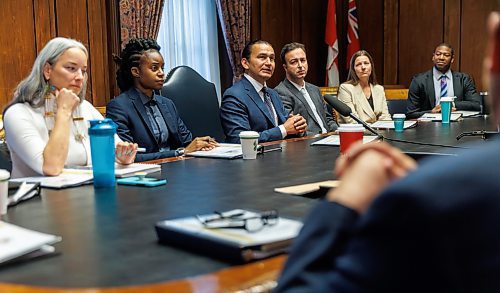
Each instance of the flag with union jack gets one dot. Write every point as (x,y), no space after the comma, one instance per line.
(332,68)
(352,31)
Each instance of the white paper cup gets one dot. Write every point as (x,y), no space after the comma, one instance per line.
(4,190)
(249,142)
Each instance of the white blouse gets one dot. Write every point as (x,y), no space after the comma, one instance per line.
(27,135)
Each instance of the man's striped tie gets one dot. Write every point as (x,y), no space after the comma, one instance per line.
(444,86)
(269,104)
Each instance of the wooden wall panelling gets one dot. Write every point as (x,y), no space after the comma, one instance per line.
(391,42)
(98,50)
(276,28)
(45,22)
(72,22)
(420,30)
(371,32)
(312,34)
(114,35)
(451,29)
(18,49)
(474,37)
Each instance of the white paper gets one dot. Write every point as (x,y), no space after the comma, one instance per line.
(66,179)
(284,229)
(438,117)
(224,150)
(334,140)
(467,113)
(16,241)
(390,124)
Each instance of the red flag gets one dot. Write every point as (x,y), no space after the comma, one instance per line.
(332,68)
(352,31)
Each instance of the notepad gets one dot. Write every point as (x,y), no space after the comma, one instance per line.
(223,151)
(307,188)
(231,244)
(17,242)
(438,117)
(390,124)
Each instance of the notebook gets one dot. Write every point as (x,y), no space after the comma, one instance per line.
(223,151)
(390,124)
(438,117)
(237,245)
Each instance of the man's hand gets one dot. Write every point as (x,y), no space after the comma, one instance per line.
(295,124)
(365,170)
(204,143)
(437,109)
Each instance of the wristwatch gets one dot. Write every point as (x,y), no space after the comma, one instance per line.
(180,152)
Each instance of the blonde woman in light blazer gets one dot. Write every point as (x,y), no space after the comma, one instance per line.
(362,93)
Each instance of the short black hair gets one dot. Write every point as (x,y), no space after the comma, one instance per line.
(447,46)
(247,51)
(130,57)
(290,47)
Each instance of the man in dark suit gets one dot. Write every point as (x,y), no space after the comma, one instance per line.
(434,230)
(250,105)
(300,97)
(426,89)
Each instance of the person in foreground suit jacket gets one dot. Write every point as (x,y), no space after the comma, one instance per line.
(361,92)
(433,230)
(427,88)
(250,105)
(300,97)
(143,117)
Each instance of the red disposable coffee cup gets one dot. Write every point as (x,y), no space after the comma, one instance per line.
(349,134)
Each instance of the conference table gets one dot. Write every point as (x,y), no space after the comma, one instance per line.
(108,239)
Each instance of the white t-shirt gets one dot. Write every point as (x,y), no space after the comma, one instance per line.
(27,135)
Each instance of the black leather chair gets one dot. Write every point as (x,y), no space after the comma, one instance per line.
(396,106)
(196,100)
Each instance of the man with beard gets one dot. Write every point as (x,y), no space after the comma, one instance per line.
(300,97)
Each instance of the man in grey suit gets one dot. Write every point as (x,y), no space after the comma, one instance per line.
(426,89)
(300,97)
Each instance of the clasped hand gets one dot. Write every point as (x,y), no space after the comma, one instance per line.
(365,170)
(295,124)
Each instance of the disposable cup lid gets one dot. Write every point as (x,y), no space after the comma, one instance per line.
(350,128)
(447,99)
(398,116)
(4,175)
(249,134)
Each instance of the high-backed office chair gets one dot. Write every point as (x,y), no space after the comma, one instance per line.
(196,100)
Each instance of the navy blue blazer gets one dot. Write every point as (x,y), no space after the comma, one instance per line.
(437,230)
(243,109)
(422,97)
(129,113)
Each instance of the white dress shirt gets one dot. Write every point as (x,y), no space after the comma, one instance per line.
(436,74)
(303,91)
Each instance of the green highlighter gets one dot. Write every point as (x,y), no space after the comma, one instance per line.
(141,180)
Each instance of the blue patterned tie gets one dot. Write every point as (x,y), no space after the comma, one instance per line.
(269,104)
(444,86)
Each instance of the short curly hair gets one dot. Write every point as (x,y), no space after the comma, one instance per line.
(131,57)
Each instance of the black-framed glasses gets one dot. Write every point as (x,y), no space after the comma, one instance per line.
(238,220)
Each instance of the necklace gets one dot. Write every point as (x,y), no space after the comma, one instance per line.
(79,125)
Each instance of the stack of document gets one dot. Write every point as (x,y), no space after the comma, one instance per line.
(223,151)
(231,244)
(17,242)
(80,175)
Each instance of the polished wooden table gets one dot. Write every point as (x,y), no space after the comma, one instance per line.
(108,235)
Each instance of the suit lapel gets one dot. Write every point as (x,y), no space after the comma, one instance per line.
(457,85)
(254,96)
(364,101)
(139,106)
(431,91)
(167,116)
(301,98)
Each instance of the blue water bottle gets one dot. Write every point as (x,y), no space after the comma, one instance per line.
(102,147)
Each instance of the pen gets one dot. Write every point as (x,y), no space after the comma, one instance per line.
(141,150)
